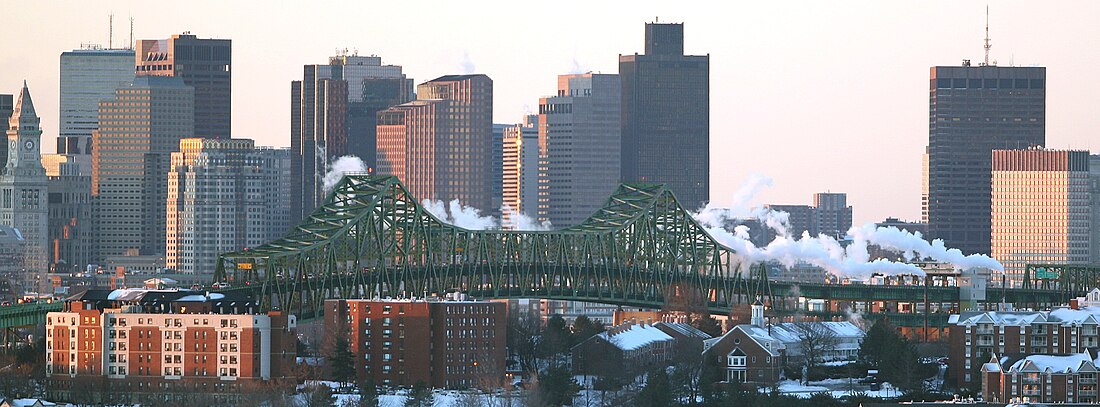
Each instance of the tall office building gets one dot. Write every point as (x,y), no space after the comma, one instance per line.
(317,132)
(23,189)
(1040,209)
(440,145)
(223,196)
(974,110)
(520,169)
(334,111)
(830,215)
(497,169)
(71,227)
(579,141)
(7,105)
(203,64)
(88,75)
(834,216)
(1094,205)
(666,115)
(138,131)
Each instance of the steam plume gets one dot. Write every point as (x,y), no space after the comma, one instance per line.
(343,165)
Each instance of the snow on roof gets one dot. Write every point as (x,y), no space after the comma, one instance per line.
(789,332)
(636,336)
(991,367)
(1054,363)
(998,318)
(761,336)
(684,329)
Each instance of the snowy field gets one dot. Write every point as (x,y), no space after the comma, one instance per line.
(836,387)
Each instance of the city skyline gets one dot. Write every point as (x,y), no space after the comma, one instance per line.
(786,51)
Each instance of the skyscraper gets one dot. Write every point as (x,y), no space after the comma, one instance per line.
(88,75)
(520,168)
(579,146)
(223,196)
(974,110)
(440,145)
(7,105)
(1040,209)
(834,216)
(318,132)
(71,226)
(23,188)
(138,130)
(666,115)
(203,64)
(324,127)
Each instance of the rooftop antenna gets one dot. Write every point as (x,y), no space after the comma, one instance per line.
(131,32)
(987,44)
(110,30)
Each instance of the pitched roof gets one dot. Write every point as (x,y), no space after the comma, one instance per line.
(636,336)
(684,329)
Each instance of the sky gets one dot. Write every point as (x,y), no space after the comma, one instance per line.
(819,96)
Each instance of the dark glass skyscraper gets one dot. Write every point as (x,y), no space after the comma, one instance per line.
(666,115)
(972,111)
(203,64)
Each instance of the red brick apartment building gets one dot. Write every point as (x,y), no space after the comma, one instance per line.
(444,343)
(138,344)
(975,337)
(1040,378)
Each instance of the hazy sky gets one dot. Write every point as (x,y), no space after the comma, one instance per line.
(820,96)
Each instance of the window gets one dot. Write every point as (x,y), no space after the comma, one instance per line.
(737,361)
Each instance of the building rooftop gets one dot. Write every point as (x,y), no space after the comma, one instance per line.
(634,336)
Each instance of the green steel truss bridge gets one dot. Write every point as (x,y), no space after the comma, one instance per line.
(371,238)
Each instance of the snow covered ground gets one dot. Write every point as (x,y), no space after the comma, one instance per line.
(836,387)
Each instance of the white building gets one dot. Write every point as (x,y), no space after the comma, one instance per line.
(23,189)
(520,179)
(223,195)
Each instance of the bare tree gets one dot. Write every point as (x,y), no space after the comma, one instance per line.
(814,341)
(524,330)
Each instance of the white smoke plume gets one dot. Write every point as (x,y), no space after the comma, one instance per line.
(460,215)
(519,221)
(348,164)
(824,251)
(467,64)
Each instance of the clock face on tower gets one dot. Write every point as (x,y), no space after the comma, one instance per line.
(28,145)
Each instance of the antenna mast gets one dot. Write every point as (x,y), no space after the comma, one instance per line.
(131,32)
(987,44)
(110,30)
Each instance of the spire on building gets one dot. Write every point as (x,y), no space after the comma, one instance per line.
(24,109)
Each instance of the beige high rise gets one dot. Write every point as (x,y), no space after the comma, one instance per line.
(1040,209)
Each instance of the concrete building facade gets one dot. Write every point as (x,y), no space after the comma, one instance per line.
(71,227)
(138,130)
(23,190)
(666,115)
(580,142)
(223,196)
(520,169)
(203,64)
(440,145)
(1040,209)
(974,110)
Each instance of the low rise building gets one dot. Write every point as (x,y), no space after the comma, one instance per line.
(977,336)
(140,345)
(623,349)
(1062,378)
(453,343)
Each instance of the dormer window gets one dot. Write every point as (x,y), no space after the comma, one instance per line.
(737,361)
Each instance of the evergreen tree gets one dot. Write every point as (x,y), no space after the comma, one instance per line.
(368,394)
(342,359)
(584,328)
(555,339)
(557,387)
(707,323)
(420,396)
(657,391)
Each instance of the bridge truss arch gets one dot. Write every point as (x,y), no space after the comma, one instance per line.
(372,238)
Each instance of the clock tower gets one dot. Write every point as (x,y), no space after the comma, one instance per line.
(23,190)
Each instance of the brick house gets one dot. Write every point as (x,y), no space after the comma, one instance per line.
(1063,378)
(624,349)
(974,337)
